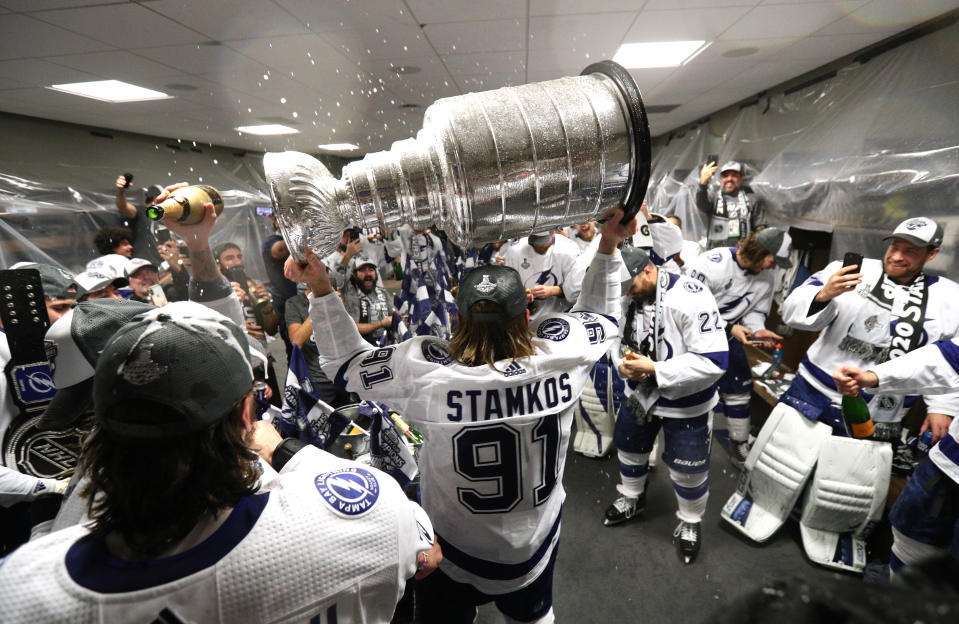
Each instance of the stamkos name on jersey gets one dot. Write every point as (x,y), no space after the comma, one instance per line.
(532,398)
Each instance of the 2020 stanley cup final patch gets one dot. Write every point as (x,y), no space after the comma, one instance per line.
(349,491)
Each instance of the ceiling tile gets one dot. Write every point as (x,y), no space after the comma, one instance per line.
(465,37)
(765,48)
(439,11)
(92,22)
(888,16)
(203,59)
(571,59)
(25,37)
(295,52)
(577,31)
(399,43)
(117,64)
(37,73)
(37,5)
(685,25)
(224,20)
(662,5)
(485,63)
(570,7)
(788,20)
(331,15)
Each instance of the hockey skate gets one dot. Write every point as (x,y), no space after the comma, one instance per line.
(624,508)
(738,452)
(690,538)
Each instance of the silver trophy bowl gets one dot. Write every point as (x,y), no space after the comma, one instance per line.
(485,167)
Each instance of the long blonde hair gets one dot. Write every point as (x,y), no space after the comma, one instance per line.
(477,343)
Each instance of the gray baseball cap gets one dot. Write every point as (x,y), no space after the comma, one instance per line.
(57,283)
(776,242)
(540,238)
(635,259)
(921,231)
(184,356)
(79,336)
(499,284)
(732,165)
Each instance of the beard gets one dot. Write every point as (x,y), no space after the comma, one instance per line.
(366,285)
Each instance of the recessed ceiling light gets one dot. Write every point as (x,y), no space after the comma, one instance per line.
(267,129)
(338,147)
(657,54)
(737,52)
(110,91)
(406,69)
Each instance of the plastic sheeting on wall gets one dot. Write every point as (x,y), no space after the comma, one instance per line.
(853,155)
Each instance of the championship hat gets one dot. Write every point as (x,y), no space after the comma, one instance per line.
(921,231)
(362,261)
(499,284)
(540,238)
(57,283)
(136,264)
(732,165)
(776,242)
(184,356)
(114,265)
(79,336)
(635,259)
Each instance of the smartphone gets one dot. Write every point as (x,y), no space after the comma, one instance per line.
(852,258)
(163,235)
(712,158)
(157,296)
(129,178)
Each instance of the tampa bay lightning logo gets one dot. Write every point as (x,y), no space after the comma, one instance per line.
(715,256)
(692,287)
(554,329)
(349,491)
(436,352)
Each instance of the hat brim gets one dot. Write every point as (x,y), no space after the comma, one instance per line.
(911,239)
(68,405)
(783,263)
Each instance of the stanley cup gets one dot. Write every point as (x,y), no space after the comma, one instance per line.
(485,167)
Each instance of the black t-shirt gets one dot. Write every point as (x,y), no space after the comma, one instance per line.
(281,288)
(144,241)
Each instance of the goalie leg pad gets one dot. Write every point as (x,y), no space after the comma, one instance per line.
(845,501)
(778,466)
(594,423)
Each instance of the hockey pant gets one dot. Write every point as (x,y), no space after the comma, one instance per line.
(925,518)
(686,454)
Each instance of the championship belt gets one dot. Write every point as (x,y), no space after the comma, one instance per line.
(44,453)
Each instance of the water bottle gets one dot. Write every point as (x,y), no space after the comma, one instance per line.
(924,443)
(773,370)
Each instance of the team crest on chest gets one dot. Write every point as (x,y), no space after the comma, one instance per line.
(349,491)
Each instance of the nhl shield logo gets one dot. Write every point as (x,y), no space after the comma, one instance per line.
(485,287)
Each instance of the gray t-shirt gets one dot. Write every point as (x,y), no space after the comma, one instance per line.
(297,311)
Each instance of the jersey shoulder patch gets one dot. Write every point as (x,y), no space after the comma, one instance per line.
(555,329)
(437,352)
(691,286)
(349,491)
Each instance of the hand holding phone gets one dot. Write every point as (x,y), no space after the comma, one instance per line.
(852,258)
(129,178)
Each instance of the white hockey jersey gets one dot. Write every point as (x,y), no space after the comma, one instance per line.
(932,369)
(692,352)
(836,321)
(549,269)
(743,298)
(492,464)
(331,540)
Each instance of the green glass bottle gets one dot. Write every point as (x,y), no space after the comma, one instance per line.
(855,413)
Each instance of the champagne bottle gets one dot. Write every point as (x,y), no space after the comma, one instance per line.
(186,204)
(855,413)
(414,436)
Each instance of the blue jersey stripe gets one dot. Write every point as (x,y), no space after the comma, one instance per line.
(950,351)
(494,570)
(690,399)
(91,565)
